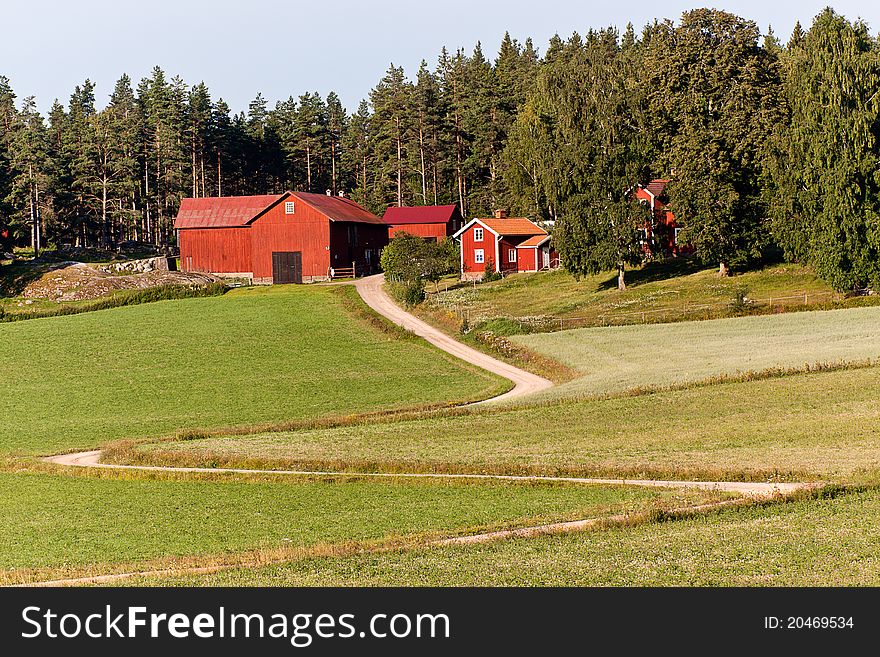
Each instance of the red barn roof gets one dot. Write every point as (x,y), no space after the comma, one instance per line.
(338,208)
(232,211)
(424,214)
(224,211)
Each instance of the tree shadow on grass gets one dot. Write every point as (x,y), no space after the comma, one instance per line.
(657,271)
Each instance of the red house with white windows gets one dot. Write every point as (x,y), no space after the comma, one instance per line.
(508,244)
(662,229)
(432,222)
(292,237)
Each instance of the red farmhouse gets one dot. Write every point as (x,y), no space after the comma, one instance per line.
(663,226)
(292,237)
(508,244)
(429,221)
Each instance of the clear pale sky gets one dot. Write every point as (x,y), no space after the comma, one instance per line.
(287,48)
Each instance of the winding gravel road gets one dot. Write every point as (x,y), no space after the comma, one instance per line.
(525,383)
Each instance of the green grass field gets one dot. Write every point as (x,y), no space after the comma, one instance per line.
(822,425)
(674,290)
(55,521)
(828,542)
(618,358)
(253,356)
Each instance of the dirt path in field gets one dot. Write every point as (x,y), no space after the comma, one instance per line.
(92,459)
(525,383)
(533,531)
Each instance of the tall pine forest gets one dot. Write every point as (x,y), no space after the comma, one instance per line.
(771,146)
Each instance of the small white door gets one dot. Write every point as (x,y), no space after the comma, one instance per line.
(546,255)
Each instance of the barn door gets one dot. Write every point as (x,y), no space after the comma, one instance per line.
(287,267)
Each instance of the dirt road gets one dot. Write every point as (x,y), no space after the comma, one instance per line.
(525,383)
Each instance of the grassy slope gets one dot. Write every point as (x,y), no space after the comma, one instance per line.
(655,287)
(257,355)
(623,357)
(55,521)
(823,424)
(828,542)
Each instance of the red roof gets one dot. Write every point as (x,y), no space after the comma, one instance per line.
(423,214)
(224,211)
(232,211)
(657,186)
(537,240)
(338,208)
(513,226)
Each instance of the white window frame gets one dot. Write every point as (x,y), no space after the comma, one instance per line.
(479,256)
(675,237)
(478,234)
(289,207)
(511,255)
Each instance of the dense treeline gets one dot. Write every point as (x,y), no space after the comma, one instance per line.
(768,146)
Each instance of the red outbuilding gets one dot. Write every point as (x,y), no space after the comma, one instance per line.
(433,222)
(508,244)
(292,237)
(663,229)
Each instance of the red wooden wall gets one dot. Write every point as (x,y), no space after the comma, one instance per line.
(218,250)
(421,230)
(306,230)
(527,259)
(469,265)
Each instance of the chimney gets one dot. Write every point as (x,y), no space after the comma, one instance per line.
(329,192)
(501,214)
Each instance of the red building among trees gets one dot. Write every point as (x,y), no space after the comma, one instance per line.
(292,237)
(663,229)
(428,221)
(507,244)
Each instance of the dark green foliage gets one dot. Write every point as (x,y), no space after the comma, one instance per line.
(409,258)
(715,97)
(408,293)
(584,137)
(826,209)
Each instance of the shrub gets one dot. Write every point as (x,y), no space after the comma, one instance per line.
(740,300)
(408,293)
(489,273)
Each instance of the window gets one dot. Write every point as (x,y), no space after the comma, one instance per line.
(479,256)
(288,207)
(511,255)
(677,231)
(478,235)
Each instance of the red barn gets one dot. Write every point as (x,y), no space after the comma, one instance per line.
(508,244)
(292,237)
(663,227)
(433,222)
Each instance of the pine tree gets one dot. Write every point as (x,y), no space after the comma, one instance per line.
(336,128)
(391,125)
(29,149)
(199,126)
(8,118)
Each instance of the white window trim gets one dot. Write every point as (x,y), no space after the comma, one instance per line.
(675,237)
(478,234)
(479,256)
(289,207)
(511,255)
